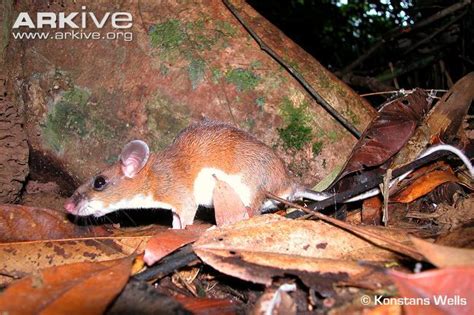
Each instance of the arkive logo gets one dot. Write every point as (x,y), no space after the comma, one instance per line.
(75,20)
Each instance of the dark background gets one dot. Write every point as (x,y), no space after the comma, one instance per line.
(336,34)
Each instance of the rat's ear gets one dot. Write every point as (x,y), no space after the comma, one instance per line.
(134,157)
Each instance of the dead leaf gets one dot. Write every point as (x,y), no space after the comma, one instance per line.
(444,256)
(448,217)
(262,247)
(228,207)
(170,240)
(23,258)
(21,223)
(82,288)
(462,236)
(388,132)
(372,211)
(443,120)
(424,184)
(317,239)
(200,306)
(446,291)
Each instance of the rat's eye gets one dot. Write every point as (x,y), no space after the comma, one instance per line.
(99,183)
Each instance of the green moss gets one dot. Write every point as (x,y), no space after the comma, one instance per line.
(164,120)
(243,79)
(167,35)
(260,101)
(249,124)
(255,64)
(164,70)
(332,135)
(111,159)
(297,131)
(72,119)
(317,147)
(67,118)
(196,72)
(225,28)
(352,116)
(216,75)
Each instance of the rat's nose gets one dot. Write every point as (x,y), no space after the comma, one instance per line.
(70,206)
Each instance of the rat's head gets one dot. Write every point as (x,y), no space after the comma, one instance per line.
(107,191)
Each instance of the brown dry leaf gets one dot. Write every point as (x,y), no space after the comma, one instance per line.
(21,223)
(443,120)
(446,291)
(424,184)
(82,288)
(265,246)
(372,211)
(228,207)
(201,306)
(23,258)
(448,217)
(462,236)
(444,256)
(170,240)
(388,132)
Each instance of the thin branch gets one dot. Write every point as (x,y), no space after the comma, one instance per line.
(398,91)
(170,263)
(401,31)
(441,14)
(364,81)
(430,37)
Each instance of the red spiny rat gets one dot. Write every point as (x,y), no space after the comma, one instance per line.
(182,176)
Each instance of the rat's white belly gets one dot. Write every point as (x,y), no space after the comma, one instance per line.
(205,182)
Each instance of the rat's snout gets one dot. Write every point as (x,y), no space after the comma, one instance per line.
(70,206)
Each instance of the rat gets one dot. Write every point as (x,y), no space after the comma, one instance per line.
(183,176)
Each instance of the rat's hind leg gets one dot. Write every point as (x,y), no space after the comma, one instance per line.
(184,214)
(257,203)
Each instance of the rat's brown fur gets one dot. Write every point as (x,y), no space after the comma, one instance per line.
(169,175)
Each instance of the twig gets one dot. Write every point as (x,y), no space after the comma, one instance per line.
(365,81)
(441,14)
(400,31)
(385,189)
(446,73)
(393,245)
(179,259)
(397,91)
(392,70)
(428,38)
(294,73)
(388,75)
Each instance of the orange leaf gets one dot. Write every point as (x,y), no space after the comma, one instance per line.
(372,211)
(168,241)
(444,256)
(21,223)
(82,288)
(228,207)
(423,185)
(208,306)
(442,291)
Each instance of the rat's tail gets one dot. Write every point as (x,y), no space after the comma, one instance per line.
(301,193)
